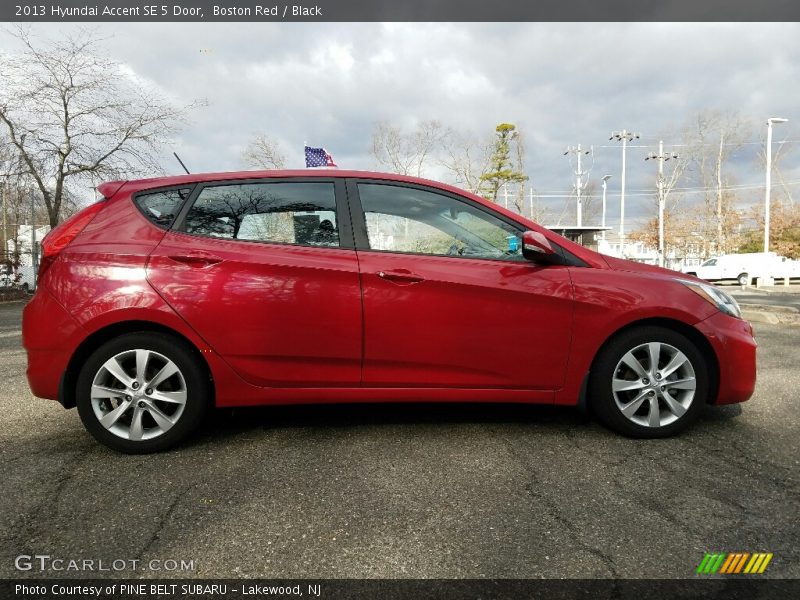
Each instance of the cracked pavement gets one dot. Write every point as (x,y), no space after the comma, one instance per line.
(414,491)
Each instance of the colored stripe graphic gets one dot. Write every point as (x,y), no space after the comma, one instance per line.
(740,564)
(703,563)
(734,563)
(764,564)
(730,564)
(727,564)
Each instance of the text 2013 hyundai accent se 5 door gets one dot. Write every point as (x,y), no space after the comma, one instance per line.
(173,295)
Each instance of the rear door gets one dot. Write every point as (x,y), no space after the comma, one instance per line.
(265,271)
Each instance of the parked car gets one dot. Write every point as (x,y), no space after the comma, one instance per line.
(174,295)
(22,277)
(745,267)
(6,275)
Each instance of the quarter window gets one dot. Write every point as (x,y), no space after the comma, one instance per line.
(284,213)
(162,207)
(401,219)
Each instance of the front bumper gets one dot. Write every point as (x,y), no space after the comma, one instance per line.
(735,347)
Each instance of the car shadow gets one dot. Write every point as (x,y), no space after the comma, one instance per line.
(229,422)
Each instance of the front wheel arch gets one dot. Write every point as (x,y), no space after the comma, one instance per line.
(69,380)
(702,343)
(641,394)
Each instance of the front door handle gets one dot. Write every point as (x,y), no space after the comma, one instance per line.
(196,260)
(400,277)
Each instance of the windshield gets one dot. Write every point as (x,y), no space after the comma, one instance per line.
(710,262)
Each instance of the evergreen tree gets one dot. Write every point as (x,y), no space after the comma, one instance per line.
(502,170)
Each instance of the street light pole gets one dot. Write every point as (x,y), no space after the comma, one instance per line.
(770,122)
(605,184)
(623,136)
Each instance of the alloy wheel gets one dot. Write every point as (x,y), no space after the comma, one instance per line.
(654,384)
(138,394)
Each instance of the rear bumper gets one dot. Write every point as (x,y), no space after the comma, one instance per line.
(735,347)
(48,335)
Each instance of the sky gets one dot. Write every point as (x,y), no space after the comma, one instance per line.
(327,84)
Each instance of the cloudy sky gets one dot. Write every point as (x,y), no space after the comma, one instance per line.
(562,84)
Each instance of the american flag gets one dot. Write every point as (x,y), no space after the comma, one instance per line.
(318,157)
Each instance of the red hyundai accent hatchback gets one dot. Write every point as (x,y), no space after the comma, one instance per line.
(174,295)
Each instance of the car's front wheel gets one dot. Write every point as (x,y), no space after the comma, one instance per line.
(649,382)
(142,392)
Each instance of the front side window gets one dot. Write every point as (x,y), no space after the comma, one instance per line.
(401,219)
(284,213)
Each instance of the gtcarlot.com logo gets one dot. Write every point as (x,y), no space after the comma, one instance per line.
(734,563)
(45,562)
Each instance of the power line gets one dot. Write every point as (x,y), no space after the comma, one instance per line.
(761,143)
(686,190)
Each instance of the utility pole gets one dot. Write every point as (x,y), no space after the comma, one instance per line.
(531,197)
(34,251)
(579,173)
(4,194)
(623,136)
(505,195)
(661,158)
(605,185)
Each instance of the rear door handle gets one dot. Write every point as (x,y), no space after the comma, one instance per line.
(196,260)
(404,278)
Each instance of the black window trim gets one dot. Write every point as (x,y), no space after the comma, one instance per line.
(346,241)
(166,188)
(359,224)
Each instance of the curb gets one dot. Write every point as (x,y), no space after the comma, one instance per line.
(774,315)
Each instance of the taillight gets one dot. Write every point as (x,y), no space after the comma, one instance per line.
(61,237)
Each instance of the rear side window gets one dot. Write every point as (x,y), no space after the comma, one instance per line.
(284,213)
(162,207)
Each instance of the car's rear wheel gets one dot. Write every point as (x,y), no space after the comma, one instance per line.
(142,392)
(649,382)
(743,279)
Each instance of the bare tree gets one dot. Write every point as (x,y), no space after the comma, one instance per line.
(72,114)
(778,155)
(591,208)
(713,137)
(519,166)
(406,153)
(467,158)
(263,152)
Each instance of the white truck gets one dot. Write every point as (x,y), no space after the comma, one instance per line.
(744,268)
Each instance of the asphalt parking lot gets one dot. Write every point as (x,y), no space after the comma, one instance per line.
(408,491)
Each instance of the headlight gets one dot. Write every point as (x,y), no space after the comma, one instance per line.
(716,296)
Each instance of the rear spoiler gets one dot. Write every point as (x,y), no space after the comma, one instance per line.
(109,188)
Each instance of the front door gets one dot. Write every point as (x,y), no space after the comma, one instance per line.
(449,301)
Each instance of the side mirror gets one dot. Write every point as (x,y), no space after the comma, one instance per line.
(536,247)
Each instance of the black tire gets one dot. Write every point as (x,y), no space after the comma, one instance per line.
(743,279)
(193,383)
(603,400)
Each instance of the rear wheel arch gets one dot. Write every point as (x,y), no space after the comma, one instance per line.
(67,388)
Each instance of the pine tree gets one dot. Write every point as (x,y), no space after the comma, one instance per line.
(502,169)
